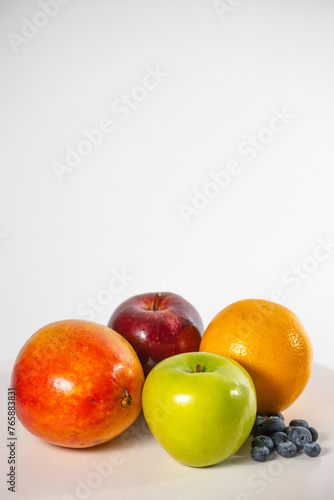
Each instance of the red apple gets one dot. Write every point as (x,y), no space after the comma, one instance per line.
(158,325)
(77,384)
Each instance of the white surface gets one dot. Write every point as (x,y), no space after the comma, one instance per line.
(60,242)
(144,470)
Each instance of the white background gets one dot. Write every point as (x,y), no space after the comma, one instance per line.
(120,209)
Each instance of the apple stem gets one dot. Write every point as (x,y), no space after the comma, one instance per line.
(198,368)
(157,295)
(126,399)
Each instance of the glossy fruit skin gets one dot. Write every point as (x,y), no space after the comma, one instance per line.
(73,381)
(270,342)
(199,418)
(155,334)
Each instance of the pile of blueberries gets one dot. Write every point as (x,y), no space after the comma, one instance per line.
(270,433)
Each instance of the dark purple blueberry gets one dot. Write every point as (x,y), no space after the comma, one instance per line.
(286,449)
(312,449)
(277,437)
(300,436)
(288,432)
(257,431)
(314,434)
(271,425)
(279,415)
(263,441)
(298,423)
(260,453)
(258,421)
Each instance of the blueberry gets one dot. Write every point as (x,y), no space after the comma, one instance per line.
(286,449)
(260,453)
(263,441)
(298,423)
(257,431)
(312,449)
(300,436)
(288,432)
(277,437)
(314,434)
(279,415)
(271,425)
(258,421)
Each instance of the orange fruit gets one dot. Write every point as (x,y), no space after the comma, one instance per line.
(270,342)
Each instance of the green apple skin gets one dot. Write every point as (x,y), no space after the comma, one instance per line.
(199,406)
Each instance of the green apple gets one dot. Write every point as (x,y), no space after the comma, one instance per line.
(199,406)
